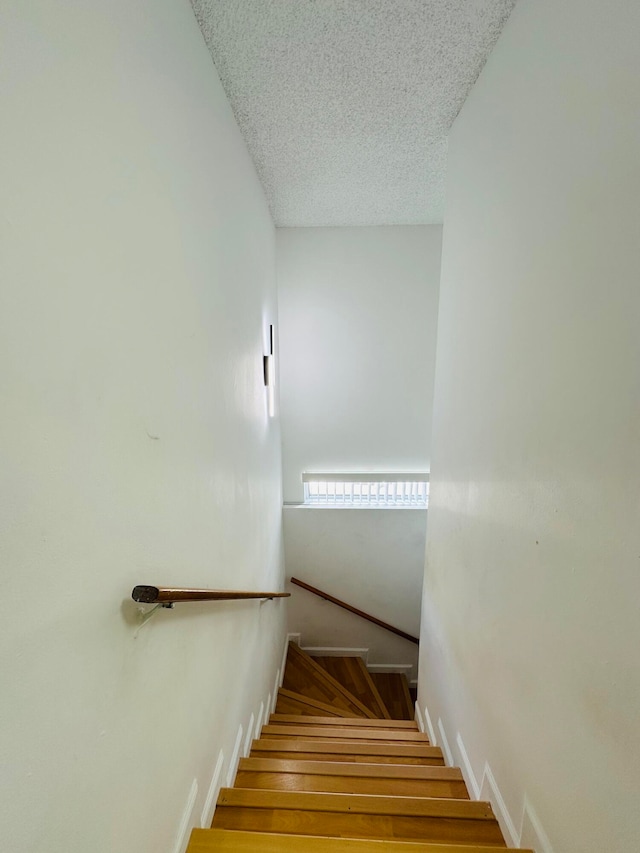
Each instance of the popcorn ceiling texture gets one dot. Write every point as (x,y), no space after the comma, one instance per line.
(346,104)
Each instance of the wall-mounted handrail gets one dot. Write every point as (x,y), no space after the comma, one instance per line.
(355,610)
(174,595)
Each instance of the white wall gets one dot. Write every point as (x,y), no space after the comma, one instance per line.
(370,558)
(530,622)
(358,311)
(136,280)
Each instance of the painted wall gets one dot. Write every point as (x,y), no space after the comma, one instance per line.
(530,621)
(370,558)
(358,310)
(137,275)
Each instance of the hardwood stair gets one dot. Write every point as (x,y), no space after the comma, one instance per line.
(394,689)
(306,677)
(238,841)
(350,733)
(329,774)
(359,722)
(358,751)
(299,707)
(352,673)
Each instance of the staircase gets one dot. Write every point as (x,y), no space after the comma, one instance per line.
(341,766)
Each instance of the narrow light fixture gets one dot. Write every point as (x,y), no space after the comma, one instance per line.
(269,376)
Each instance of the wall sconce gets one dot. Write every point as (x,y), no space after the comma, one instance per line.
(269,376)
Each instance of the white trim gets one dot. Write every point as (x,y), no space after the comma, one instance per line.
(334,652)
(249,736)
(490,791)
(209,807)
(419,718)
(267,710)
(445,743)
(390,667)
(388,507)
(467,769)
(259,720)
(531,832)
(433,740)
(235,757)
(370,477)
(184,830)
(276,686)
(290,638)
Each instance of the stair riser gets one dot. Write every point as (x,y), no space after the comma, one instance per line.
(358,759)
(352,785)
(398,827)
(294,707)
(359,722)
(345,733)
(236,841)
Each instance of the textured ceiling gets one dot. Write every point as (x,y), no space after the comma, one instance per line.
(346,104)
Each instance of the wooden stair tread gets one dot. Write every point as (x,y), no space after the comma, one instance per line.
(295,706)
(361,722)
(358,816)
(352,673)
(344,733)
(394,689)
(387,771)
(369,785)
(472,810)
(334,750)
(348,768)
(321,776)
(237,841)
(303,675)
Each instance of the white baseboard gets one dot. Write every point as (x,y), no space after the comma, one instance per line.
(212,795)
(256,734)
(186,822)
(531,834)
(419,718)
(333,652)
(467,769)
(433,740)
(390,667)
(489,791)
(235,758)
(254,728)
(249,736)
(445,744)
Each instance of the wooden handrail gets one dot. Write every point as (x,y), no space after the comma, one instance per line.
(355,610)
(172,595)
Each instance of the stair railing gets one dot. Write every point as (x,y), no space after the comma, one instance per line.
(167,596)
(352,609)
